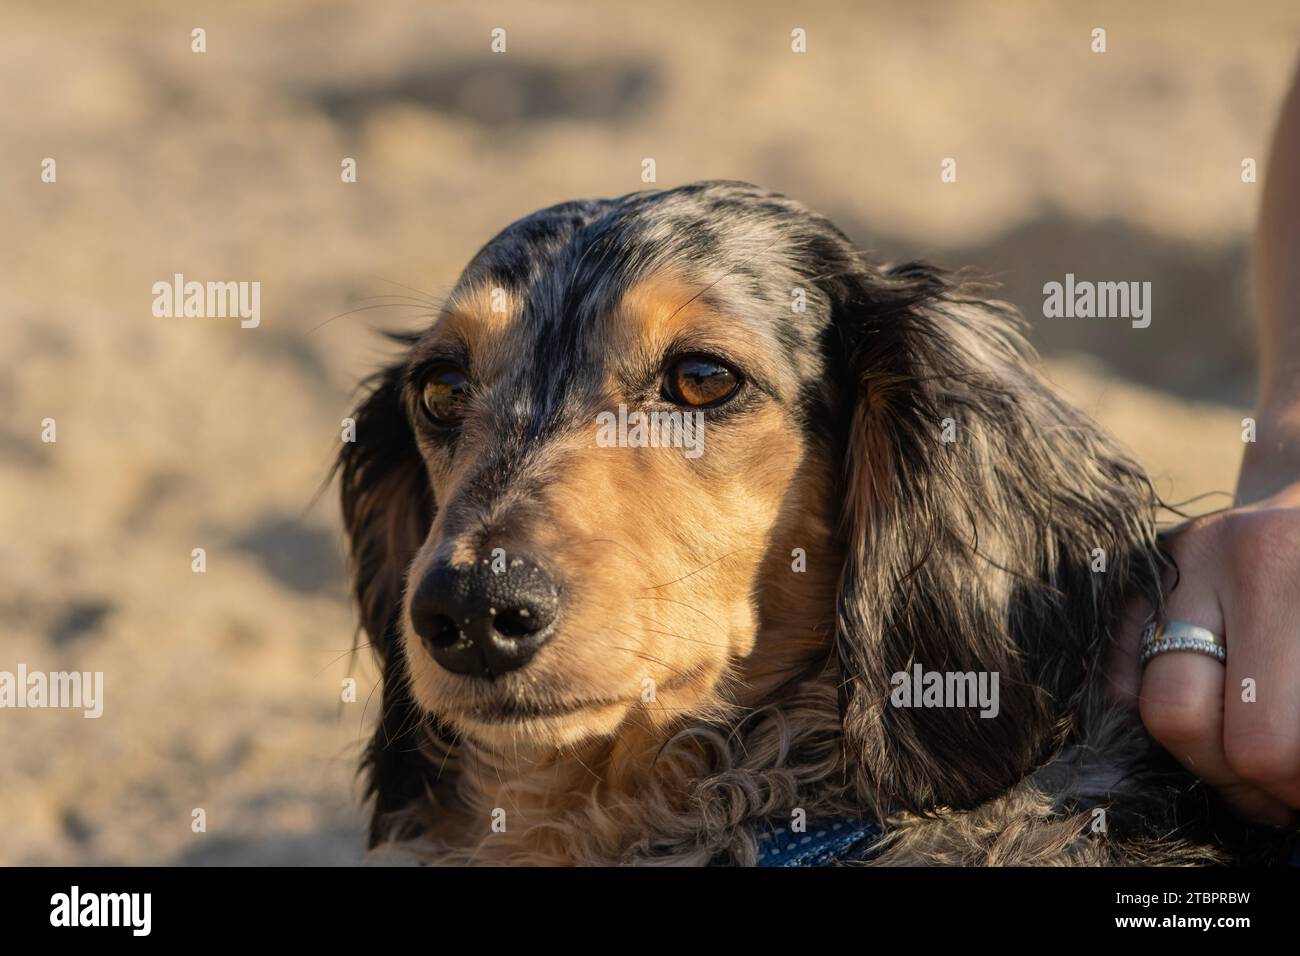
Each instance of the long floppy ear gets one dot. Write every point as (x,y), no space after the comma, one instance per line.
(387,512)
(975,502)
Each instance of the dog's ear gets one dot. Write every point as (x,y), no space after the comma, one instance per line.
(990,528)
(387,511)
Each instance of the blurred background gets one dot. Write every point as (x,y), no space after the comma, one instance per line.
(222,689)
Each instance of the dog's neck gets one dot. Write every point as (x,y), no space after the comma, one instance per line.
(522,807)
(630,794)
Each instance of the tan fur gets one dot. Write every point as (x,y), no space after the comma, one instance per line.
(692,791)
(671,557)
(695,689)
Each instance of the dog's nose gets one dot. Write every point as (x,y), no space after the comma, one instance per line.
(483,619)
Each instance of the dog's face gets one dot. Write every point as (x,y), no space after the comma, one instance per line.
(613,414)
(668,454)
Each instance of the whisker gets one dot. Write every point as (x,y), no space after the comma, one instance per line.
(704,567)
(681,637)
(367,308)
(427,296)
(685,605)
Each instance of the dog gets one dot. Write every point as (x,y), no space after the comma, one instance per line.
(600,648)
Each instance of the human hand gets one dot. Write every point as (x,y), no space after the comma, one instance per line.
(1236,725)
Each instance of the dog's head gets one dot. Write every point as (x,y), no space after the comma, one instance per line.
(661,455)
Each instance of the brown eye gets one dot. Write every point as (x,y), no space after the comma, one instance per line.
(699,381)
(444,393)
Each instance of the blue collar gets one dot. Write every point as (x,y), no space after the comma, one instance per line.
(825,843)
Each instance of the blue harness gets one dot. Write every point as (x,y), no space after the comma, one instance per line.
(825,843)
(842,840)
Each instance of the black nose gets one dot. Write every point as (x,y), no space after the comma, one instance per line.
(485,620)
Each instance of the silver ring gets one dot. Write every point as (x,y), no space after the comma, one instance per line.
(1180,636)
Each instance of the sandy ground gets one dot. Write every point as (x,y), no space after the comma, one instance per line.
(223,688)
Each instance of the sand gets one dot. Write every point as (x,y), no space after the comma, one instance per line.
(222,688)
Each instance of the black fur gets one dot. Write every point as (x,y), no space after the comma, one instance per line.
(970,555)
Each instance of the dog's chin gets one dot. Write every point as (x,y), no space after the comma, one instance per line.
(541,730)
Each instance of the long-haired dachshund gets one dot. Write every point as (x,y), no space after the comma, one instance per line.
(687,535)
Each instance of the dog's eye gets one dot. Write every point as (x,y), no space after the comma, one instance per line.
(443,394)
(698,381)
